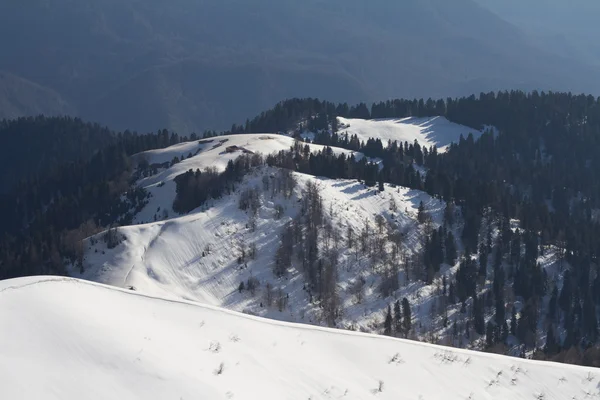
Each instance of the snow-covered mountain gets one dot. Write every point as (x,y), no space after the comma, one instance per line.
(69,339)
(225,256)
(198,256)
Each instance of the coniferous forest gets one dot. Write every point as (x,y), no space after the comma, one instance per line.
(69,194)
(538,166)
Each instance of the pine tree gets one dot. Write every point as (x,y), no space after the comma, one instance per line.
(451,293)
(498,290)
(489,335)
(449,214)
(551,347)
(504,332)
(483,260)
(397,318)
(450,245)
(387,325)
(552,305)
(478,315)
(406,317)
(500,316)
(590,321)
(566,295)
(421,215)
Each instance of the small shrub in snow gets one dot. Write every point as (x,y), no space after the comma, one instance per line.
(220,369)
(396,359)
(215,347)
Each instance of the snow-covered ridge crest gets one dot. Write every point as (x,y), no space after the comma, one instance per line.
(68,339)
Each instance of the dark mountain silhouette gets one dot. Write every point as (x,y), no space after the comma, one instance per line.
(191,65)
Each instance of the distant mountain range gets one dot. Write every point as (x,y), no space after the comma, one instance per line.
(192,65)
(567,28)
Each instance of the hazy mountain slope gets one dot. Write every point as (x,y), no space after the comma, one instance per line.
(20,97)
(191,65)
(566,28)
(71,339)
(198,94)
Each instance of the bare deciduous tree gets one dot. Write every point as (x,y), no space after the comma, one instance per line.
(380,222)
(268,296)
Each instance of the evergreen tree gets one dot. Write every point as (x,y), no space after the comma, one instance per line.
(513,322)
(565,298)
(552,346)
(490,340)
(483,260)
(590,320)
(421,215)
(397,318)
(504,332)
(552,305)
(500,316)
(406,317)
(450,245)
(387,325)
(478,315)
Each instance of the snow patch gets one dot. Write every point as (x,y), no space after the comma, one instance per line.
(430,131)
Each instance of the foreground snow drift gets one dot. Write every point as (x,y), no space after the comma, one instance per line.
(68,339)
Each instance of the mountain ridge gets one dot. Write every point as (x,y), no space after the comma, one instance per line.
(119,62)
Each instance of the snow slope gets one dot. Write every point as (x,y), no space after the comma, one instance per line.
(69,340)
(170,259)
(195,256)
(430,131)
